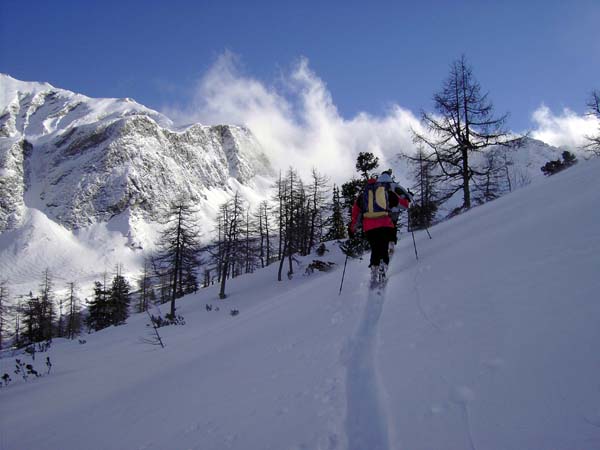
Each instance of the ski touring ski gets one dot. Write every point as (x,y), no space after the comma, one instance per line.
(378,278)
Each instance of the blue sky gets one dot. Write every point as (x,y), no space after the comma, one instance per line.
(369,55)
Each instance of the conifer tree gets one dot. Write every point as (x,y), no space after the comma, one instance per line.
(488,186)
(60,323)
(178,248)
(30,311)
(38,312)
(425,202)
(73,320)
(289,195)
(317,193)
(462,125)
(145,291)
(46,307)
(337,223)
(229,244)
(250,243)
(119,299)
(265,233)
(301,219)
(99,311)
(507,164)
(17,311)
(280,199)
(350,191)
(366,162)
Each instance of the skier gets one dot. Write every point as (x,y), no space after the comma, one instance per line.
(372,210)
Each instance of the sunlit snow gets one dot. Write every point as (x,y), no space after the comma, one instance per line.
(488,341)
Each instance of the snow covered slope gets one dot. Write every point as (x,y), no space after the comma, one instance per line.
(489,340)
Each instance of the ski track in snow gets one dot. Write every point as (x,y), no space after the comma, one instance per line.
(366,424)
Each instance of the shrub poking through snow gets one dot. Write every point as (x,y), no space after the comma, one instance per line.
(159,322)
(555,166)
(31,370)
(40,347)
(25,371)
(321,266)
(20,369)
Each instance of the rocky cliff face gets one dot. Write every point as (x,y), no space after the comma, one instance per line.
(12,182)
(82,161)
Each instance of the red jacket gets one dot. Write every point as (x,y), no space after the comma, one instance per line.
(379,222)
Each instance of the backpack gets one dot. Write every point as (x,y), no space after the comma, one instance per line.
(375,201)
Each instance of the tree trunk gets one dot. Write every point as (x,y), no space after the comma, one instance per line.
(466,179)
(281,260)
(223,278)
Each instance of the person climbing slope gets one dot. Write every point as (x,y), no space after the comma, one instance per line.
(372,211)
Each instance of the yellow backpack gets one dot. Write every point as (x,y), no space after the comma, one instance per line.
(375,201)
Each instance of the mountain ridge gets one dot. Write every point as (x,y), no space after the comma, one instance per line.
(81,160)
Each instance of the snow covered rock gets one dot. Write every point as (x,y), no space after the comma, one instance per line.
(83,161)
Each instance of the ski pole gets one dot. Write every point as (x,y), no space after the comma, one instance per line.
(428,234)
(343,275)
(413,236)
(415,244)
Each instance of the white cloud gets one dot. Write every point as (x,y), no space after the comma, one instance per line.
(297,122)
(567,129)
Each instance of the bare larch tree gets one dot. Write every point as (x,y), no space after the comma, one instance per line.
(462,124)
(178,246)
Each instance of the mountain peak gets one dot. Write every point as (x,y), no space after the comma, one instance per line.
(10,88)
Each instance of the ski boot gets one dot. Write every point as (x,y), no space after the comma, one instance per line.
(374,275)
(382,272)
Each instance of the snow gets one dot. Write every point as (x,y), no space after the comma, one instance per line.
(11,87)
(65,109)
(510,360)
(489,340)
(41,244)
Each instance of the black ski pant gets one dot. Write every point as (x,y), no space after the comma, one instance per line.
(379,239)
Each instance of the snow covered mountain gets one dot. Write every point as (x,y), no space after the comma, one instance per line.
(82,161)
(488,341)
(91,175)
